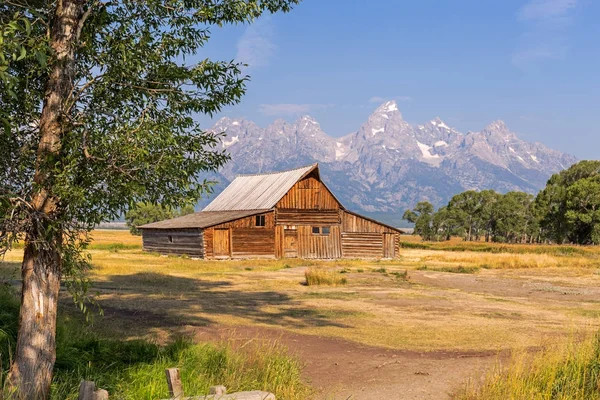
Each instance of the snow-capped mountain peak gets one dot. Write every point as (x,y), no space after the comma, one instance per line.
(388,164)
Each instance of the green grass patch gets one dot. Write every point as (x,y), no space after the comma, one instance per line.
(113,247)
(403,276)
(331,295)
(454,270)
(497,248)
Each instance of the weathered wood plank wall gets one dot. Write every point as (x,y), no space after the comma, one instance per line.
(309,193)
(246,239)
(307,217)
(362,245)
(319,246)
(362,238)
(175,241)
(355,223)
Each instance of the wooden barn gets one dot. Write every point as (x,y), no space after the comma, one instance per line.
(278,215)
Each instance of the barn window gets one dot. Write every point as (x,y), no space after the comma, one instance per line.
(260,220)
(170,239)
(321,230)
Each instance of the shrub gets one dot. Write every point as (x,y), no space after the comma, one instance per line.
(403,276)
(319,276)
(9,319)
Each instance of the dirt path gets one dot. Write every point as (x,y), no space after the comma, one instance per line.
(340,369)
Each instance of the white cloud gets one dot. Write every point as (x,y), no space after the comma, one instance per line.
(378,99)
(255,47)
(535,10)
(546,24)
(290,109)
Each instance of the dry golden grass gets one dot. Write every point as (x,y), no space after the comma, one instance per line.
(520,298)
(565,369)
(512,261)
(321,276)
(110,237)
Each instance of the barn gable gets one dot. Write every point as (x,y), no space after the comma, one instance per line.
(254,192)
(309,193)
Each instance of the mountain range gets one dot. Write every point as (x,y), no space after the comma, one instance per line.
(389,165)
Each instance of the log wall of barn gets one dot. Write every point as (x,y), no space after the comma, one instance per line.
(246,239)
(362,238)
(174,241)
(362,245)
(307,217)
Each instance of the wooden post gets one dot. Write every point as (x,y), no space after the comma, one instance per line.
(174,382)
(86,390)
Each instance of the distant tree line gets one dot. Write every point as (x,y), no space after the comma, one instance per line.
(146,213)
(567,210)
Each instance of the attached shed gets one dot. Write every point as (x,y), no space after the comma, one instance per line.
(286,214)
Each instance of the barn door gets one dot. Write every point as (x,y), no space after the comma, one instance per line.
(388,245)
(221,243)
(290,243)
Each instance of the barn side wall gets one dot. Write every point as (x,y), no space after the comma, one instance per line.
(174,241)
(363,238)
(246,239)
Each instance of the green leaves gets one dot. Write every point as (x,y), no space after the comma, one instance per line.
(422,217)
(569,204)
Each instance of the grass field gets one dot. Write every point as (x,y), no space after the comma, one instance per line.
(450,296)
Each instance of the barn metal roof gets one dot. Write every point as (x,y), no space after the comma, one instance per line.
(258,192)
(202,219)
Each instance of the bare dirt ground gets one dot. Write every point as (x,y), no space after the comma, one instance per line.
(340,369)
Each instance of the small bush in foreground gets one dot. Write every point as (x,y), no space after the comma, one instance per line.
(319,276)
(561,371)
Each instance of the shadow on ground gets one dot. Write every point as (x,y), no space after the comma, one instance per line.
(145,301)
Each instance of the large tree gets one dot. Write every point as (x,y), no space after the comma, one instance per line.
(422,217)
(97,104)
(567,204)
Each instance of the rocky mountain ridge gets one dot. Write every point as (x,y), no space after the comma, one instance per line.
(388,165)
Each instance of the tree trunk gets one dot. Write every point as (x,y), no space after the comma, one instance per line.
(31,372)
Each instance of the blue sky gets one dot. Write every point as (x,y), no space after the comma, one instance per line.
(533,63)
